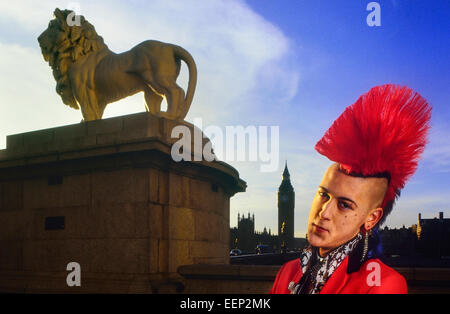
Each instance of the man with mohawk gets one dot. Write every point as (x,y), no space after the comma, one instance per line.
(375,144)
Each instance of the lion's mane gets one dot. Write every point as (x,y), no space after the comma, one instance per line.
(73,43)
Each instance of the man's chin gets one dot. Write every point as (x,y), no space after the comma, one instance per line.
(317,240)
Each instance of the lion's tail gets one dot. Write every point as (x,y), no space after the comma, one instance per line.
(182,54)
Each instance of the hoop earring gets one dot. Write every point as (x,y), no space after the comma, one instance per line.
(366,245)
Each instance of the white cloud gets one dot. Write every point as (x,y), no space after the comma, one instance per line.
(231,44)
(244,65)
(28,100)
(27,14)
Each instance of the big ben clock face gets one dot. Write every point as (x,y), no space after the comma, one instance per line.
(283,198)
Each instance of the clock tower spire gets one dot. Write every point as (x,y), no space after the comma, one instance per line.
(286,204)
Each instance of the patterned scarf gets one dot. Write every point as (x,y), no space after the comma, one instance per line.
(316,270)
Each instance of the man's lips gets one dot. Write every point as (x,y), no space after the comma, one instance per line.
(319,228)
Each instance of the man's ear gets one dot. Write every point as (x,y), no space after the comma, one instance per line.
(373,218)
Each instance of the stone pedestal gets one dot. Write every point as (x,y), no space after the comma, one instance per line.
(108,195)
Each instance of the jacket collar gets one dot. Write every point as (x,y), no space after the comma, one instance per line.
(337,280)
(374,251)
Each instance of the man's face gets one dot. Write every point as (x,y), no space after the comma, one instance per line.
(341,206)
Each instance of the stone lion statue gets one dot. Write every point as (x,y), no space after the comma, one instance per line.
(90,76)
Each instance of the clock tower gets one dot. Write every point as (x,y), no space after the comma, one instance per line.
(286,204)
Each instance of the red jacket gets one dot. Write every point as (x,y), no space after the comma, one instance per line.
(373,277)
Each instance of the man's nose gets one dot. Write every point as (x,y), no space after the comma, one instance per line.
(325,210)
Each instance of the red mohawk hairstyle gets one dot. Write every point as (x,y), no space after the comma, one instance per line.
(382,134)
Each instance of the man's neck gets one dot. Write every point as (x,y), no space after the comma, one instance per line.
(324,251)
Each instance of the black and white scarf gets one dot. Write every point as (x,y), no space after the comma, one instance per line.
(316,270)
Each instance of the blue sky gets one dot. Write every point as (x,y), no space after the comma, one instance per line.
(341,57)
(296,64)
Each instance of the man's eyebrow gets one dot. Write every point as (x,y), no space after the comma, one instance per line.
(324,188)
(339,197)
